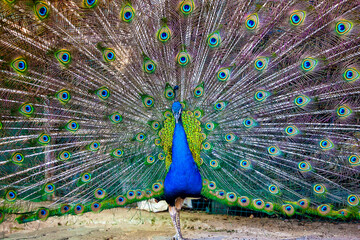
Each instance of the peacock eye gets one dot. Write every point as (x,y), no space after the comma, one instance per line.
(223,74)
(164,34)
(43,213)
(230,137)
(326,144)
(274,151)
(249,123)
(94,146)
(161,156)
(139,194)
(183,59)
(212,185)
(63,96)
(261,63)
(220,194)
(130,194)
(115,117)
(17,158)
(109,55)
(343,27)
(44,139)
(353,200)
(11,195)
(149,66)
(303,203)
(150,160)
(100,193)
(90,3)
(147,101)
(343,111)
(85,177)
(79,209)
(49,188)
(252,21)
(210,126)
(117,153)
(245,164)
(187,6)
(273,189)
(214,164)
(269,206)
(258,204)
(169,92)
(288,209)
(297,17)
(156,187)
(72,126)
(302,100)
(120,200)
(261,95)
(103,93)
(291,130)
(95,207)
(214,39)
(351,74)
(41,10)
(65,208)
(199,90)
(206,146)
(354,160)
(127,13)
(26,109)
(231,197)
(244,201)
(155,125)
(19,65)
(220,105)
(324,209)
(319,189)
(140,137)
(304,166)
(198,113)
(308,64)
(64,155)
(63,56)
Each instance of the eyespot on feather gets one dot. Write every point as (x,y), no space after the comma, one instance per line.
(127,13)
(252,21)
(41,10)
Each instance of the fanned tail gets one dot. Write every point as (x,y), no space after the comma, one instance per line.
(270,89)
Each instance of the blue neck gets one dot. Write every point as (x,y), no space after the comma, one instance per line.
(183,178)
(181,154)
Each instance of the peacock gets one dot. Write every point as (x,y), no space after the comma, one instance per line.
(253,104)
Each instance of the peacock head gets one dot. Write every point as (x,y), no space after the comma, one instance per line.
(176,109)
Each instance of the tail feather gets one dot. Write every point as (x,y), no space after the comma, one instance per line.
(273,86)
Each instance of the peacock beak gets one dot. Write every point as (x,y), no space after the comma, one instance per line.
(177,115)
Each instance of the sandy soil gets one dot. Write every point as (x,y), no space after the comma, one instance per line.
(128,224)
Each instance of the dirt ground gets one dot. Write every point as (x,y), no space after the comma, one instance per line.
(129,224)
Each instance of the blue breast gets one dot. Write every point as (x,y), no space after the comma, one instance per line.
(183,178)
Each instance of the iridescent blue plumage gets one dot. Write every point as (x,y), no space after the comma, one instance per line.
(183,179)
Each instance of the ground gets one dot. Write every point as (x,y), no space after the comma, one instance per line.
(130,224)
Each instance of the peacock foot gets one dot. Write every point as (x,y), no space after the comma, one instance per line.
(177,237)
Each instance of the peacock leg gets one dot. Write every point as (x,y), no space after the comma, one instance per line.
(174,216)
(178,204)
